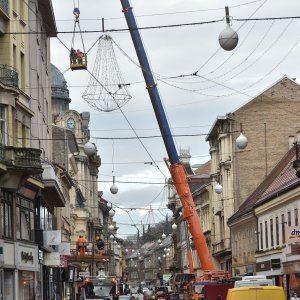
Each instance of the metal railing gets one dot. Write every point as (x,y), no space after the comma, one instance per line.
(4,6)
(9,75)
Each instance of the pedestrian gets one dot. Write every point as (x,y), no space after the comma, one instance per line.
(294,297)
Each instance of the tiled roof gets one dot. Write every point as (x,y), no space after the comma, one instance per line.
(281,178)
(203,169)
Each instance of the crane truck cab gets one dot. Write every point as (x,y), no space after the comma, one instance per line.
(260,280)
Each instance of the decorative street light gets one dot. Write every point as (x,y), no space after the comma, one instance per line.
(159,241)
(111,227)
(174,227)
(111,213)
(241,141)
(114,189)
(89,149)
(228,38)
(163,236)
(218,188)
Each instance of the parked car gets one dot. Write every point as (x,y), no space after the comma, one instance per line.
(162,292)
(147,293)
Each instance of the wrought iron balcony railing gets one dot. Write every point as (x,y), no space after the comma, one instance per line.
(4,6)
(9,75)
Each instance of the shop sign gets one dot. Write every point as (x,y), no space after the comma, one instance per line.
(52,237)
(292,234)
(26,257)
(263,266)
(84,274)
(52,259)
(41,256)
(64,249)
(63,261)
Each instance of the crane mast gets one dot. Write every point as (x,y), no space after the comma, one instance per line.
(176,168)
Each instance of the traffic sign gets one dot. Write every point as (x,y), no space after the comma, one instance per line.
(84,274)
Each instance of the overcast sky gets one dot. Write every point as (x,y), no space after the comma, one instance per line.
(267,50)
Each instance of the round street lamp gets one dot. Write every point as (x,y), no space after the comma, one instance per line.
(241,141)
(228,38)
(111,213)
(218,188)
(159,241)
(111,227)
(114,189)
(163,236)
(89,149)
(174,227)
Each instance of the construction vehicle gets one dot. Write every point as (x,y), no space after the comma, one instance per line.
(175,167)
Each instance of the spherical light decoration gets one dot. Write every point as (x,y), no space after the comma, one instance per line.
(114,189)
(163,236)
(168,253)
(115,242)
(126,250)
(164,255)
(241,141)
(118,246)
(89,149)
(218,188)
(174,227)
(159,241)
(111,237)
(165,249)
(158,258)
(111,227)
(139,253)
(111,213)
(132,250)
(131,259)
(228,38)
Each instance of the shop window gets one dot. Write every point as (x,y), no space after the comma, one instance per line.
(6,210)
(24,219)
(26,285)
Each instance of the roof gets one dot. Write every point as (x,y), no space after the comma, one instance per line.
(46,8)
(204,169)
(281,178)
(59,84)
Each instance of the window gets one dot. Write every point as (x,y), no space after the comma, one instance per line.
(283,228)
(261,235)
(6,210)
(289,218)
(47,219)
(24,218)
(277,230)
(271,233)
(3,124)
(266,234)
(296,217)
(23,75)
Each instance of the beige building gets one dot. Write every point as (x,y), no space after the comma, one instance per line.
(267,121)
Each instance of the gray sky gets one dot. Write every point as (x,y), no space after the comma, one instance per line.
(267,50)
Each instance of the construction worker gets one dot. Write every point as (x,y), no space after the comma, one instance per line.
(81,244)
(100,245)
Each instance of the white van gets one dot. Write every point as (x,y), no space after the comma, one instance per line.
(259,280)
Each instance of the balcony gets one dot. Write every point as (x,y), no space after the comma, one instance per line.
(26,160)
(53,187)
(4,6)
(9,75)
(218,208)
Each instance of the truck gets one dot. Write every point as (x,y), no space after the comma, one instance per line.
(176,168)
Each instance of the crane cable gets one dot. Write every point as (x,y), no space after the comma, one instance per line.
(76,13)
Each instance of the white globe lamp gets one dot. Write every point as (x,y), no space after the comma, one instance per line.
(89,149)
(111,213)
(114,189)
(174,227)
(241,141)
(111,227)
(163,236)
(228,38)
(218,188)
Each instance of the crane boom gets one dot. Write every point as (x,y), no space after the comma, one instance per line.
(177,170)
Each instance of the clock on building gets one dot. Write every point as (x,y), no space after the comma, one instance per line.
(71,123)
